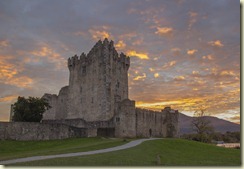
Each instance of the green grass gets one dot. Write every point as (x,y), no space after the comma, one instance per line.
(18,149)
(172,152)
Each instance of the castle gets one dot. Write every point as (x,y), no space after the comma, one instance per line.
(96,99)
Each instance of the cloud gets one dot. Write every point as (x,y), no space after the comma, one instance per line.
(120,45)
(192,19)
(208,57)
(140,77)
(136,54)
(192,51)
(162,31)
(44,51)
(138,41)
(4,43)
(156,75)
(179,78)
(9,74)
(175,49)
(227,73)
(8,99)
(169,64)
(216,43)
(98,34)
(195,72)
(80,33)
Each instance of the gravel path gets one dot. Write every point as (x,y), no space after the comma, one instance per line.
(34,158)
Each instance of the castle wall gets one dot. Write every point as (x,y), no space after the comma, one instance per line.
(125,121)
(52,100)
(135,122)
(62,103)
(150,123)
(38,131)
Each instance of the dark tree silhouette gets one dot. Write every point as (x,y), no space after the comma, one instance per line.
(202,126)
(30,109)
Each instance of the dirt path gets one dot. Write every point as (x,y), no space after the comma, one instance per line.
(34,158)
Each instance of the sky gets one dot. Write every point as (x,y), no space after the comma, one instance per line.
(184,53)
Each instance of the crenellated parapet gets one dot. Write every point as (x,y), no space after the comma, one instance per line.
(100,51)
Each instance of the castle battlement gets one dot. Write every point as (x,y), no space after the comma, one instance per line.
(101,51)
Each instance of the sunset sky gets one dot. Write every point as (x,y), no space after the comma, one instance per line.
(184,53)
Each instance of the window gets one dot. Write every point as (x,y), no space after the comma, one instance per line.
(117,119)
(83,69)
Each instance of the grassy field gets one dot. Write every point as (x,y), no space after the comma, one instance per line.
(17,149)
(165,152)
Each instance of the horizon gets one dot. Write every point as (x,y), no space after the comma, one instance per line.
(184,54)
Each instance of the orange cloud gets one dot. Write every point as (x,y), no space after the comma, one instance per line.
(169,64)
(140,77)
(156,75)
(47,52)
(226,72)
(216,43)
(208,57)
(175,49)
(138,41)
(23,81)
(164,31)
(7,70)
(8,98)
(9,75)
(191,52)
(192,19)
(4,43)
(139,55)
(179,78)
(195,72)
(120,45)
(97,34)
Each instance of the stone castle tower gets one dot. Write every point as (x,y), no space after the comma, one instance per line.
(96,99)
(97,81)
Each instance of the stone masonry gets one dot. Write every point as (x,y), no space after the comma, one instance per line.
(97,99)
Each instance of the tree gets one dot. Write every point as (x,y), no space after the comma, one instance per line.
(202,126)
(30,109)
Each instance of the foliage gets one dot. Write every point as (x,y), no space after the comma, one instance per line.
(30,109)
(172,152)
(228,137)
(202,127)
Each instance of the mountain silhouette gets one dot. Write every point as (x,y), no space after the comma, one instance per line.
(219,125)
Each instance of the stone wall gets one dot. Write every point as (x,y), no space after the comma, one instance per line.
(81,123)
(125,121)
(150,123)
(38,131)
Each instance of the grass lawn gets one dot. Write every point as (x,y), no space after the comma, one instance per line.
(165,152)
(18,149)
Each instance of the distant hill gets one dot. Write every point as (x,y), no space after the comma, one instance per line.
(218,124)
